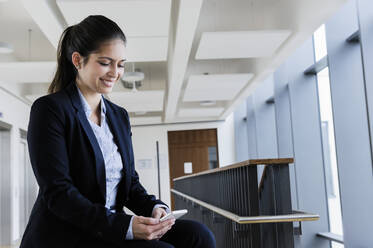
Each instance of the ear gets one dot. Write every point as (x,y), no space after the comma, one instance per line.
(77,59)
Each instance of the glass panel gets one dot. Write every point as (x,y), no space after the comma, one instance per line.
(319,40)
(213,157)
(330,158)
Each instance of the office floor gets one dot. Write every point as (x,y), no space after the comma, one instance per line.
(12,246)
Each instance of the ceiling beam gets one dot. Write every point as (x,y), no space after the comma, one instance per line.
(179,51)
(46,15)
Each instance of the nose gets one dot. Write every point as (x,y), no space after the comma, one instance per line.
(113,72)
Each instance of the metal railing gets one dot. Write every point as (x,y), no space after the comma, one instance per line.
(240,212)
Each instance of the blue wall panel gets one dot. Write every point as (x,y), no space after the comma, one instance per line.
(265,120)
(240,133)
(283,125)
(365,9)
(351,128)
(251,128)
(307,145)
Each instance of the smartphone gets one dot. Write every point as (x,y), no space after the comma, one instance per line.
(176,214)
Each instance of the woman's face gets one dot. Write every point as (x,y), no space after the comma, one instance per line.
(103,68)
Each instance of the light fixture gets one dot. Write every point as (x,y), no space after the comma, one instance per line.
(132,79)
(132,85)
(134,89)
(134,75)
(5,47)
(207,103)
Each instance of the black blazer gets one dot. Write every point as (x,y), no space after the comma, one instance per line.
(70,170)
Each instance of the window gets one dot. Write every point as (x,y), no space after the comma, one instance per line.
(319,41)
(328,139)
(213,157)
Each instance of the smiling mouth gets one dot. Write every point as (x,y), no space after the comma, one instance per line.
(107,83)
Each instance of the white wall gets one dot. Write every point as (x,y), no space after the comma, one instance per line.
(15,113)
(144,144)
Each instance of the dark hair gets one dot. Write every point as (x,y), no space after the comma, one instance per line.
(84,38)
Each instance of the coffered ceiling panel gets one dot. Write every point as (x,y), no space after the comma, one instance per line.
(216,87)
(136,18)
(148,49)
(240,44)
(27,72)
(145,23)
(139,101)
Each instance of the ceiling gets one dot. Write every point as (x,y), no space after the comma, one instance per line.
(201,58)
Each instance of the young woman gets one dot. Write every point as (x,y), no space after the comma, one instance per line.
(81,153)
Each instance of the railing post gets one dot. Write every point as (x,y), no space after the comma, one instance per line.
(285,235)
(267,207)
(253,198)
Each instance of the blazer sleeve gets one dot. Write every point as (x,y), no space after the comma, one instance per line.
(139,201)
(50,163)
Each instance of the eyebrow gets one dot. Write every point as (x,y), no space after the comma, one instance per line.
(110,58)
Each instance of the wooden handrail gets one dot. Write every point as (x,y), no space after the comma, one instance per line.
(250,162)
(296,216)
(272,161)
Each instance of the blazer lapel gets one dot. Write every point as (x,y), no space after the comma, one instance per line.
(100,163)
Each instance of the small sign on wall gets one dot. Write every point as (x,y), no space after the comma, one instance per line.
(188,168)
(1,114)
(144,164)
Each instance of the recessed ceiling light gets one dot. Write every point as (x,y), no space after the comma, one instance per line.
(5,47)
(140,112)
(207,103)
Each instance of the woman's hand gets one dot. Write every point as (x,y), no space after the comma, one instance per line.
(158,213)
(150,228)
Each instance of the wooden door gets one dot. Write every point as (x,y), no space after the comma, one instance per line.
(199,147)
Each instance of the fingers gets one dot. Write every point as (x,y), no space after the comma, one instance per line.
(157,214)
(148,221)
(167,226)
(164,230)
(150,228)
(162,225)
(164,213)
(157,231)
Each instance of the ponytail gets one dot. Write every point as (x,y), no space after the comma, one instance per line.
(66,72)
